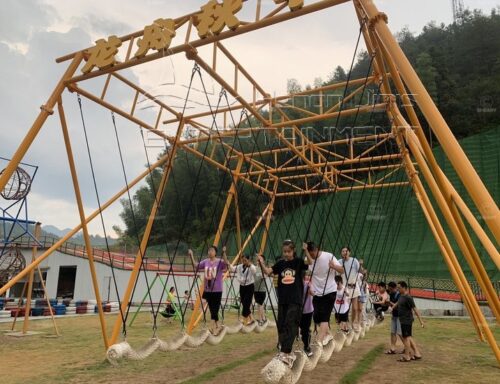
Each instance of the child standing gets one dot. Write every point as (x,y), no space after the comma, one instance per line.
(307,314)
(245,273)
(289,270)
(261,286)
(364,293)
(342,305)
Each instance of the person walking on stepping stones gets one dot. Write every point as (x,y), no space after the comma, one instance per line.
(307,315)
(245,274)
(323,266)
(261,285)
(213,268)
(289,270)
(350,279)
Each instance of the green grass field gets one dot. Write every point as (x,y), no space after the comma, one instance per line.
(452,353)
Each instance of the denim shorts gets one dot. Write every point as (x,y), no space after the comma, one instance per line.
(395,326)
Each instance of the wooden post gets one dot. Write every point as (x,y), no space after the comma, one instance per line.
(81,212)
(46,295)
(30,281)
(147,232)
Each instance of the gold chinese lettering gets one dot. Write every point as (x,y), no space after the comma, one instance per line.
(214,16)
(156,36)
(292,4)
(102,55)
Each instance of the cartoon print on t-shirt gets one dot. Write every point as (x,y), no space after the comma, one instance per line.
(288,276)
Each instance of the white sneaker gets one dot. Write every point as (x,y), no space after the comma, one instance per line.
(327,339)
(288,359)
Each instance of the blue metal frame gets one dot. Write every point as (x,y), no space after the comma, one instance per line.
(17,219)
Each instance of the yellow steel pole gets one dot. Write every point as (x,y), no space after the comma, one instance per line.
(268,220)
(471,219)
(442,241)
(472,182)
(81,213)
(196,314)
(46,295)
(147,232)
(46,111)
(451,194)
(464,243)
(451,267)
(75,230)
(27,307)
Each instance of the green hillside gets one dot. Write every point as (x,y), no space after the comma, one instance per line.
(386,227)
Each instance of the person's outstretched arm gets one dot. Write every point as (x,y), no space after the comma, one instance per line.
(265,270)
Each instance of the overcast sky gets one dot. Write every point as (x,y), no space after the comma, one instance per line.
(33,33)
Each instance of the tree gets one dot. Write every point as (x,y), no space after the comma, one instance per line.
(427,73)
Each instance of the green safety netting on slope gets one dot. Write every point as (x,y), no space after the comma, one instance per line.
(386,227)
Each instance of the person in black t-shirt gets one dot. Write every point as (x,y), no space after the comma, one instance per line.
(289,270)
(406,307)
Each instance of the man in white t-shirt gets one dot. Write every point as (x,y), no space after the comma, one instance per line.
(323,266)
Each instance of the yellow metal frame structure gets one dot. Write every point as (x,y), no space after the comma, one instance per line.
(323,168)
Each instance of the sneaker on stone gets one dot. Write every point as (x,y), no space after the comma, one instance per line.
(288,359)
(327,339)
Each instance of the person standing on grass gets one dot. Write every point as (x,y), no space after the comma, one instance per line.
(213,269)
(406,308)
(245,274)
(395,324)
(323,266)
(289,270)
(350,278)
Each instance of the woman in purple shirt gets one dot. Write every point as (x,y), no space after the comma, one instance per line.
(213,271)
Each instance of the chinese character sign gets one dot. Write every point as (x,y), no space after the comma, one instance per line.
(214,16)
(156,36)
(292,4)
(102,55)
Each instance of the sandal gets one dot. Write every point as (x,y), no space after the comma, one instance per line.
(403,360)
(390,352)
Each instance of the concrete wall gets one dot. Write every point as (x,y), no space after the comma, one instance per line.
(83,282)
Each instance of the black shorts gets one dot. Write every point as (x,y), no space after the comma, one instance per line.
(323,307)
(406,330)
(259,297)
(342,317)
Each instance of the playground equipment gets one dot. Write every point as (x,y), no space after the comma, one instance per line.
(15,224)
(297,164)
